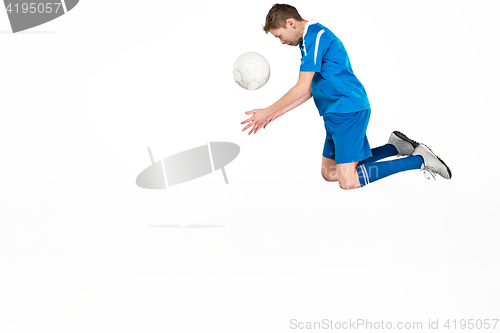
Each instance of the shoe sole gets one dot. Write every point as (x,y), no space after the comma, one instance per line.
(440,160)
(407,139)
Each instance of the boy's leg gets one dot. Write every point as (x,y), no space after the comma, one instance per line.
(399,144)
(422,158)
(373,171)
(348,133)
(328,163)
(379,153)
(329,169)
(348,175)
(352,175)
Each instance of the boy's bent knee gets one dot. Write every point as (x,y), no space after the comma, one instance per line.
(330,178)
(345,185)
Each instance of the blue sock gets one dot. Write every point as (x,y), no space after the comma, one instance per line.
(370,172)
(382,152)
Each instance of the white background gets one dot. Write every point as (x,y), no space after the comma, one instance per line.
(83,249)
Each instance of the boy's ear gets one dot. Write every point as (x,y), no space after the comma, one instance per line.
(291,22)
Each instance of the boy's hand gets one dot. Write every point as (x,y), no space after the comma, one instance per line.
(259,119)
(274,116)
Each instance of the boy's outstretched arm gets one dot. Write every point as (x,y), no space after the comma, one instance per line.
(260,116)
(288,108)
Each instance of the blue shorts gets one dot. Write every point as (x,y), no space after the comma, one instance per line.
(346,139)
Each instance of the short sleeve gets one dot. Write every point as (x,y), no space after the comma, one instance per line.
(315,45)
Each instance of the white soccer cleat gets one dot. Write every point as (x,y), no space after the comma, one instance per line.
(404,145)
(432,163)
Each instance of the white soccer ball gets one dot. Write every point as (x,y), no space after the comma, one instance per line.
(251,71)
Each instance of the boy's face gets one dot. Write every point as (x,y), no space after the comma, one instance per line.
(290,35)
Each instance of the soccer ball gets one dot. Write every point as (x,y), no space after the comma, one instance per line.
(251,70)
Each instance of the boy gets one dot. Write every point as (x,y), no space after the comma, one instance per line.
(327,76)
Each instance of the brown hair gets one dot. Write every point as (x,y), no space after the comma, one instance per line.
(278,14)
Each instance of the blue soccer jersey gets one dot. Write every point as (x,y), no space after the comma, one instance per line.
(334,86)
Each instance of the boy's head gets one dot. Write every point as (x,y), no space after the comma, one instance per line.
(284,22)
